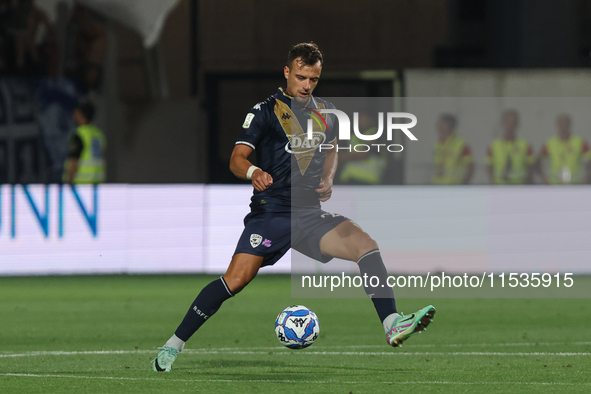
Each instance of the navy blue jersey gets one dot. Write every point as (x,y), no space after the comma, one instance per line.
(276,130)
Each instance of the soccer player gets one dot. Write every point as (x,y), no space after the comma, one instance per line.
(510,159)
(285,207)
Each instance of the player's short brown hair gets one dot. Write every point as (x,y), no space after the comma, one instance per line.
(308,52)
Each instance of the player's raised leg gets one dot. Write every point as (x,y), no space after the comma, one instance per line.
(243,268)
(349,242)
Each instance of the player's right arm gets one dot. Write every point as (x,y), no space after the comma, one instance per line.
(254,128)
(239,166)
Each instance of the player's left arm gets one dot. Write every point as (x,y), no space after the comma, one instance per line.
(330,168)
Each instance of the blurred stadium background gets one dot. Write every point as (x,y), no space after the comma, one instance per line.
(172,81)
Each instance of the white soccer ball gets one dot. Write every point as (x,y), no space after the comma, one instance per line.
(297,327)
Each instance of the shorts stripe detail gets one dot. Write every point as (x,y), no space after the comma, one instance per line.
(245,143)
(226,286)
(367,254)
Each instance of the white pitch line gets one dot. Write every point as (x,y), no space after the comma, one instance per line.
(447,354)
(74,353)
(395,353)
(27,375)
(280,348)
(517,344)
(282,352)
(156,379)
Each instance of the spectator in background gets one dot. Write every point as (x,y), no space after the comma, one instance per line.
(87,49)
(86,156)
(3,53)
(452,156)
(569,156)
(510,159)
(3,163)
(4,36)
(362,168)
(27,29)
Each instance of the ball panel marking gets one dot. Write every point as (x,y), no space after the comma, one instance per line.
(297,327)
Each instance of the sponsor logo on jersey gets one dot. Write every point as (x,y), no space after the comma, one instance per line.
(302,144)
(267,243)
(285,116)
(255,240)
(299,145)
(247,121)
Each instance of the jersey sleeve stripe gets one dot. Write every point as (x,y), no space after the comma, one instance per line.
(245,143)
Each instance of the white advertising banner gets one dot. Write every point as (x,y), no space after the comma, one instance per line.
(108,229)
(194,228)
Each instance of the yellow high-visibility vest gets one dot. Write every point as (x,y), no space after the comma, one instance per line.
(91,166)
(510,161)
(567,159)
(451,161)
(369,170)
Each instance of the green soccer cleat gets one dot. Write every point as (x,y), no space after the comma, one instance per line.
(406,326)
(164,359)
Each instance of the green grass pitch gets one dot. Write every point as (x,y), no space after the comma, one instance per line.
(97,334)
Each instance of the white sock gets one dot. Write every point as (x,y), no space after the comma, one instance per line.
(176,343)
(388,321)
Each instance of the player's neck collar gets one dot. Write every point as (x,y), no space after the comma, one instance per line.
(286,98)
(284,93)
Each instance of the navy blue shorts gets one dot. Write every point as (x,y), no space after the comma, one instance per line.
(271,234)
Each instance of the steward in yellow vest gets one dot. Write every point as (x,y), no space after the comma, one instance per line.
(86,156)
(510,159)
(452,156)
(569,156)
(362,168)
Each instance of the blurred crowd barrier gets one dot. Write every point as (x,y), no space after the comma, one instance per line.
(479,99)
(53,229)
(35,123)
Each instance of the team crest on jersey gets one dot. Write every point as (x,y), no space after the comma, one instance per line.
(255,240)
